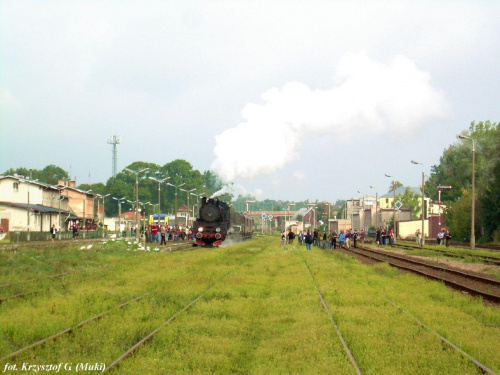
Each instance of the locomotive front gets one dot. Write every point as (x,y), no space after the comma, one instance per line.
(213,223)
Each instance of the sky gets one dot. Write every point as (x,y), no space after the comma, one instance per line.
(288,100)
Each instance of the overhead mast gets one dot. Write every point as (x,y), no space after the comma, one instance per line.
(114,140)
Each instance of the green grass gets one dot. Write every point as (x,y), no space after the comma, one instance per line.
(259,314)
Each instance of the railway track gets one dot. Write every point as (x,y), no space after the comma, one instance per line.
(337,330)
(64,243)
(484,258)
(150,335)
(111,313)
(482,367)
(178,246)
(462,245)
(471,283)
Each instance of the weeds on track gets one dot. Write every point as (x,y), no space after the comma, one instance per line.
(264,317)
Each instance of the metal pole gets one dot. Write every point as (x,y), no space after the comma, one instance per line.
(175,200)
(84,204)
(376,207)
(137,207)
(175,207)
(394,215)
(59,216)
(29,208)
(137,199)
(439,208)
(423,210)
(472,231)
(103,213)
(328,216)
(473,213)
(159,183)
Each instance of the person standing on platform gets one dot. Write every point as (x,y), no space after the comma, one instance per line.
(308,240)
(163,232)
(341,239)
(447,238)
(53,232)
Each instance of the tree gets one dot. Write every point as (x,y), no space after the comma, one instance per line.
(455,169)
(490,200)
(457,217)
(51,174)
(394,185)
(412,201)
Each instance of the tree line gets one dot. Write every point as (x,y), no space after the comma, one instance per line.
(454,169)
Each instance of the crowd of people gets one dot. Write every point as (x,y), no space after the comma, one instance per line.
(322,239)
(443,237)
(163,233)
(384,237)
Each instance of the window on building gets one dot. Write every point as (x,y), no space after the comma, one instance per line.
(386,200)
(15,186)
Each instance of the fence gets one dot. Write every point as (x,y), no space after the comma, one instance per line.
(46,236)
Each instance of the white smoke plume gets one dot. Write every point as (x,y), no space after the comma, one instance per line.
(367,95)
(236,189)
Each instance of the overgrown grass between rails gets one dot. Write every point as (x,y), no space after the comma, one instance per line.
(26,321)
(434,250)
(264,318)
(33,264)
(388,341)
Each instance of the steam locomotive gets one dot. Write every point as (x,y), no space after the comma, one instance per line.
(218,221)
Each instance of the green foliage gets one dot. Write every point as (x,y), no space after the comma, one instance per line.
(394,185)
(412,201)
(458,218)
(51,174)
(455,169)
(259,312)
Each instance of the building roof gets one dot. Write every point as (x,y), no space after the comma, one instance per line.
(36,207)
(28,181)
(303,211)
(401,191)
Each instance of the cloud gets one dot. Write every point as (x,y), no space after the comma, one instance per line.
(368,96)
(299,175)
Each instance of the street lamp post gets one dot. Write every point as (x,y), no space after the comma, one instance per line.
(104,212)
(159,183)
(473,208)
(376,207)
(247,203)
(119,200)
(59,189)
(29,181)
(440,189)
(84,213)
(175,200)
(423,202)
(289,205)
(394,203)
(187,194)
(196,205)
(362,223)
(137,199)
